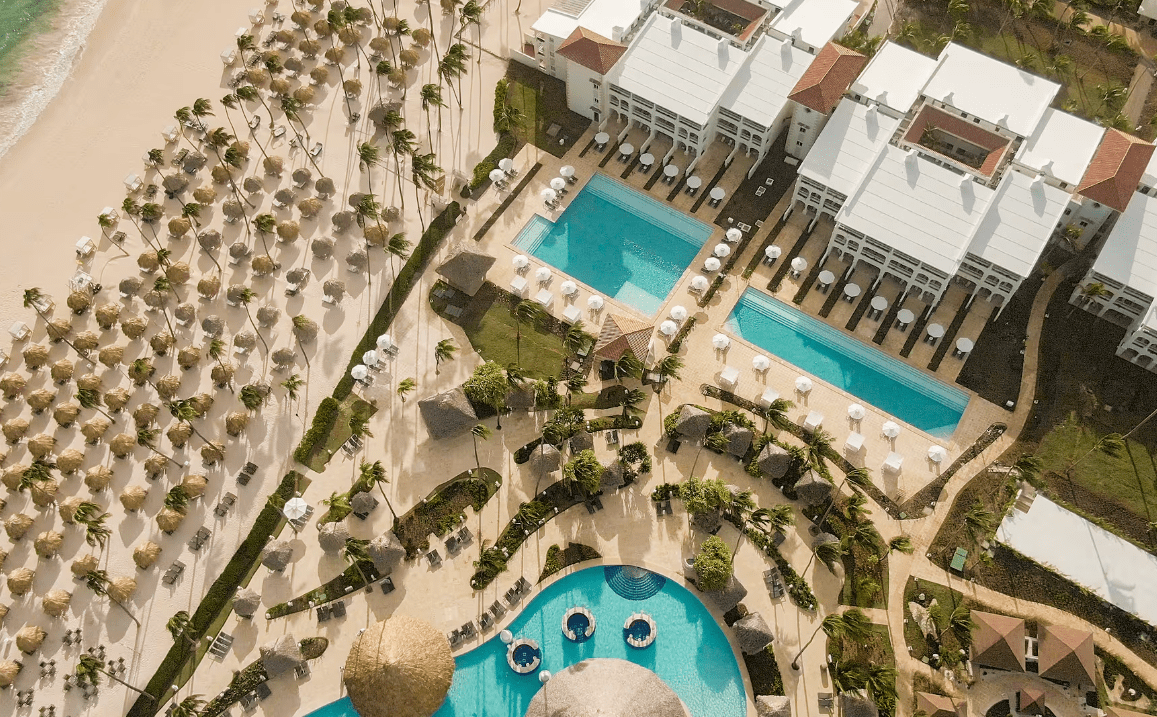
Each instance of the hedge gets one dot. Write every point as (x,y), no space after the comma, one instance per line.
(425,250)
(219,597)
(505,148)
(334,589)
(677,342)
(323,422)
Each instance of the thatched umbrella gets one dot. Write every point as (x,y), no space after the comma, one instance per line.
(208,287)
(98,478)
(193,162)
(122,444)
(305,94)
(89,382)
(284,196)
(178,434)
(320,74)
(246,602)
(380,45)
(386,552)
(241,146)
(68,507)
(117,399)
(693,423)
(324,187)
(220,174)
(55,602)
(408,58)
(545,459)
(853,704)
(322,247)
(728,597)
(48,543)
(155,466)
(121,589)
(263,265)
(357,260)
(178,272)
(245,340)
(40,399)
(205,194)
(397,77)
(14,429)
(273,165)
(17,525)
(335,55)
(279,86)
(134,327)
(310,207)
(213,325)
(773,461)
(148,261)
(399,667)
(281,655)
(130,285)
(212,452)
(111,356)
(613,476)
(232,208)
(35,356)
(235,422)
(257,75)
(363,503)
(332,537)
(168,520)
(185,312)
(69,461)
(79,301)
(236,293)
(813,488)
(194,485)
(86,341)
(145,554)
(342,220)
(178,226)
(13,476)
(20,581)
(44,492)
(268,315)
(277,555)
(753,633)
(107,315)
(283,357)
(12,384)
(304,328)
(9,669)
(65,414)
(168,386)
(209,240)
(29,639)
(772,706)
(62,371)
(161,342)
(606,686)
(58,329)
(253,185)
(288,231)
(334,289)
(84,565)
(41,445)
(421,36)
(222,374)
(145,414)
(188,357)
(3,557)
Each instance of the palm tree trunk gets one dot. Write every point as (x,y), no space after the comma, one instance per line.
(119,681)
(387,499)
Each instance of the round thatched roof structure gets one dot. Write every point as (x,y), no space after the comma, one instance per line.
(178,434)
(277,555)
(69,461)
(55,602)
(284,356)
(44,492)
(321,247)
(29,639)
(169,520)
(246,602)
(581,441)
(107,315)
(20,581)
(693,423)
(122,444)
(133,497)
(65,414)
(14,429)
(84,565)
(8,671)
(111,355)
(813,488)
(332,537)
(145,554)
(62,370)
(121,589)
(40,399)
(13,476)
(773,706)
(194,485)
(386,551)
(67,508)
(281,655)
(41,445)
(117,399)
(608,687)
(155,466)
(399,667)
(35,356)
(145,414)
(753,633)
(98,478)
(17,525)
(545,459)
(363,502)
(94,428)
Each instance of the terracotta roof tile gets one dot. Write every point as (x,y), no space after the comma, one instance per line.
(620,335)
(1116,169)
(967,131)
(591,50)
(829,76)
(998,641)
(1067,655)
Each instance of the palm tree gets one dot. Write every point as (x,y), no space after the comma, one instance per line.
(177,499)
(978,520)
(291,385)
(479,431)
(96,533)
(375,474)
(525,311)
(828,554)
(191,706)
(852,624)
(337,502)
(180,625)
(184,410)
(432,97)
(97,581)
(36,300)
(403,143)
(901,543)
(628,365)
(444,351)
(424,170)
(355,554)
(147,438)
(90,398)
(574,384)
(758,518)
(819,443)
(779,518)
(577,338)
(452,67)
(244,297)
(631,400)
(90,668)
(669,367)
(405,386)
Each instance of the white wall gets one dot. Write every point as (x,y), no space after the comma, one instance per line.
(581,94)
(806,125)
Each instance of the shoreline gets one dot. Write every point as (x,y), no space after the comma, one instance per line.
(45,61)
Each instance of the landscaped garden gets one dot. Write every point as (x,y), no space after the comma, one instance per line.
(541,101)
(333,424)
(445,507)
(559,558)
(948,625)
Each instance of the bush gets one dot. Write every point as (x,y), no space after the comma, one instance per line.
(313,647)
(713,565)
(242,684)
(505,148)
(323,422)
(631,423)
(670,424)
(522,455)
(557,558)
(665,491)
(677,342)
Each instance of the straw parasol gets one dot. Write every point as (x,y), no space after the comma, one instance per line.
(729,596)
(235,422)
(185,312)
(178,434)
(212,452)
(84,565)
(753,633)
(48,543)
(9,669)
(62,371)
(168,520)
(168,386)
(188,357)
(3,612)
(145,554)
(133,497)
(194,485)
(98,478)
(35,356)
(288,231)
(130,285)
(79,301)
(263,265)
(202,402)
(246,602)
(13,476)
(385,551)
(148,261)
(399,667)
(40,399)
(41,445)
(232,208)
(3,557)
(107,315)
(111,356)
(281,655)
(122,445)
(545,459)
(283,357)
(273,165)
(279,86)
(44,492)
(205,195)
(20,581)
(277,555)
(12,384)
(178,226)
(268,315)
(213,325)
(117,399)
(357,260)
(324,186)
(161,342)
(332,537)
(208,287)
(65,414)
(322,248)
(59,328)
(122,588)
(134,327)
(304,329)
(813,488)
(17,525)
(89,382)
(284,196)
(86,341)
(853,704)
(14,429)
(466,270)
(773,706)
(342,220)
(55,602)
(145,414)
(580,442)
(69,461)
(447,414)
(29,639)
(612,477)
(363,503)
(606,686)
(67,509)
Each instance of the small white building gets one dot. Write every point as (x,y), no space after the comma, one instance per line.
(615,20)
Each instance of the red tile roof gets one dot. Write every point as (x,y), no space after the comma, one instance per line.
(829,76)
(967,131)
(591,50)
(621,334)
(1116,169)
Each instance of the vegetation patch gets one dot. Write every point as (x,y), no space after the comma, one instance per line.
(1132,688)
(327,434)
(242,684)
(445,508)
(541,102)
(559,558)
(861,658)
(951,618)
(356,576)
(762,666)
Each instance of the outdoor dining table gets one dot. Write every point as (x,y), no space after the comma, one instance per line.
(879,305)
(670,170)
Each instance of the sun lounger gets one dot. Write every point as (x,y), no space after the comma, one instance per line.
(497,610)
(434,558)
(522,585)
(243,478)
(893,462)
(316,150)
(387,585)
(338,609)
(263,691)
(279,132)
(465,537)
(323,613)
(485,621)
(814,420)
(301,671)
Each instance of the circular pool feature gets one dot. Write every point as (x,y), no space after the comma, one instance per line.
(578,624)
(640,630)
(632,582)
(523,656)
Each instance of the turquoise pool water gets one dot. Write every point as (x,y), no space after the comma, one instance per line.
(868,374)
(691,653)
(617,241)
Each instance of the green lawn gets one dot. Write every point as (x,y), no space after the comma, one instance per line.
(352,406)
(542,100)
(539,353)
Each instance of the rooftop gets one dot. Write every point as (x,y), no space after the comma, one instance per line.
(895,76)
(1061,146)
(1116,169)
(738,18)
(1130,253)
(592,50)
(760,88)
(1019,222)
(957,139)
(851,140)
(818,21)
(824,83)
(598,16)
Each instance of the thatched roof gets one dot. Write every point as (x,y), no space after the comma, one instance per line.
(20,581)
(69,461)
(386,551)
(146,554)
(332,536)
(753,633)
(545,459)
(447,414)
(466,270)
(246,602)
(693,423)
(773,461)
(612,477)
(17,525)
(1066,655)
(856,705)
(520,398)
(281,655)
(738,439)
(48,543)
(813,488)
(55,602)
(65,414)
(29,639)
(194,485)
(729,596)
(580,442)
(363,502)
(168,520)
(772,706)
(998,641)
(399,667)
(606,686)
(122,588)
(84,565)
(939,705)
(8,671)
(277,555)
(621,334)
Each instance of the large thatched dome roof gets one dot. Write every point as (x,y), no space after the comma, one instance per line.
(399,667)
(606,687)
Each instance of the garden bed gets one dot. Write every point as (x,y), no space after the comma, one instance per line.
(347,582)
(559,558)
(330,430)
(445,508)
(762,667)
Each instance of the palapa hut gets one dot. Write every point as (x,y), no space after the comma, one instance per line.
(62,371)
(606,686)
(612,477)
(332,536)
(145,554)
(55,602)
(363,503)
(122,445)
(41,445)
(69,461)
(939,705)
(134,327)
(129,286)
(107,316)
(29,639)
(729,596)
(13,476)
(385,551)
(322,247)
(448,414)
(853,704)
(20,581)
(121,589)
(14,429)
(1066,655)
(246,602)
(998,641)
(753,633)
(35,356)
(692,424)
(188,357)
(334,290)
(194,485)
(581,441)
(277,555)
(213,325)
(1030,700)
(520,398)
(621,334)
(813,488)
(40,399)
(773,461)
(399,667)
(84,565)
(178,434)
(772,706)
(98,478)
(9,669)
(466,270)
(324,186)
(281,655)
(12,384)
(738,439)
(66,414)
(133,497)
(67,509)
(111,356)
(168,520)
(58,329)
(17,525)
(545,459)
(283,357)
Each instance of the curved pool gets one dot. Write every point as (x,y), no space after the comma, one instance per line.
(691,653)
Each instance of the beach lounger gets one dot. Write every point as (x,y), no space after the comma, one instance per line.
(434,558)
(485,621)
(338,609)
(387,585)
(454,312)
(243,478)
(263,691)
(323,613)
(279,132)
(19,331)
(465,537)
(249,701)
(522,585)
(497,610)
(316,150)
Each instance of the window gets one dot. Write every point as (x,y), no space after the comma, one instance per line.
(807,111)
(802,129)
(1064,185)
(798,144)
(976,120)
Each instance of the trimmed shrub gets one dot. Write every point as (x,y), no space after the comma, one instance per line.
(323,422)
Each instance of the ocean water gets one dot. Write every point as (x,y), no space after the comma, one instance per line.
(20,20)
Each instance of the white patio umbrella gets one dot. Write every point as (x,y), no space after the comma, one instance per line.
(720,341)
(595,303)
(370,358)
(567,171)
(734,235)
(520,262)
(627,148)
(712,264)
(891,429)
(548,195)
(568,287)
(558,184)
(671,170)
(722,250)
(700,283)
(668,328)
(760,363)
(385,343)
(295,508)
(937,454)
(856,412)
(803,384)
(506,164)
(718,193)
(694,182)
(506,636)
(359,372)
(679,313)
(799,264)
(542,274)
(497,175)
(772,252)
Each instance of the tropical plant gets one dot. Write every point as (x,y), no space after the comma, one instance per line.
(180,626)
(525,312)
(191,706)
(478,431)
(713,565)
(372,474)
(98,582)
(89,669)
(488,386)
(354,553)
(405,387)
(901,543)
(583,471)
(291,386)
(444,350)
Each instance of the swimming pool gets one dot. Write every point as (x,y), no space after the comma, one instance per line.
(868,374)
(619,242)
(691,653)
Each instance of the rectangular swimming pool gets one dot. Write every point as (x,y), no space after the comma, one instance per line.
(619,242)
(868,374)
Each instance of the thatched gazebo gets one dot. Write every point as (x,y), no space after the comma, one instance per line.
(363,503)
(739,439)
(545,459)
(773,706)
(581,441)
(773,461)
(693,423)
(84,565)
(29,639)
(146,554)
(277,555)
(399,667)
(281,655)
(332,537)
(729,596)
(20,581)
(17,525)
(9,669)
(606,686)
(466,270)
(246,602)
(55,602)
(753,633)
(448,414)
(813,488)
(386,551)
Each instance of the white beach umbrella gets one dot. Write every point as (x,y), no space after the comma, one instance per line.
(548,195)
(542,274)
(718,193)
(803,384)
(720,341)
(668,328)
(385,343)
(506,164)
(595,303)
(506,636)
(370,358)
(497,175)
(700,283)
(544,676)
(359,372)
(799,264)
(679,313)
(891,429)
(558,184)
(734,235)
(772,252)
(760,363)
(856,412)
(568,287)
(520,262)
(295,508)
(722,250)
(567,171)
(937,454)
(712,264)
(671,170)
